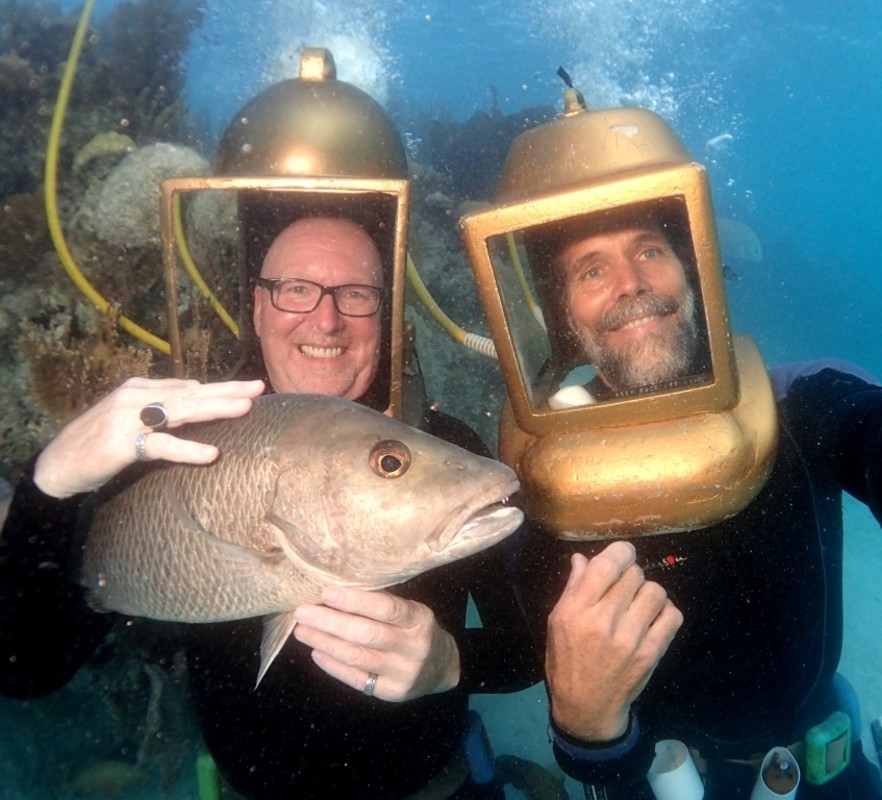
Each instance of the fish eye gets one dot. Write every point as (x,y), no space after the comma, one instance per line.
(390,459)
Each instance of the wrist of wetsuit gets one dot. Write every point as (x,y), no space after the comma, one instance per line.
(39,528)
(618,762)
(46,628)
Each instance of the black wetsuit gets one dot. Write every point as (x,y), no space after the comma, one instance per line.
(761,596)
(301,733)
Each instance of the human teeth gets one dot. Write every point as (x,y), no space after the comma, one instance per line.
(321,352)
(635,322)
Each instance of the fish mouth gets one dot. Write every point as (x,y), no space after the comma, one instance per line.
(484,517)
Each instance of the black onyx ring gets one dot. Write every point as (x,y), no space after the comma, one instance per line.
(155,416)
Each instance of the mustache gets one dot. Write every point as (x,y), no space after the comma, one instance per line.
(629,309)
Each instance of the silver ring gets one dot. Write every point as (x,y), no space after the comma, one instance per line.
(155,416)
(370,685)
(140,452)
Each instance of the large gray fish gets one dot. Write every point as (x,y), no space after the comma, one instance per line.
(309,490)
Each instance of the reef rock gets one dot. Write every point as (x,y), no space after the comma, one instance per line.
(103,145)
(127,213)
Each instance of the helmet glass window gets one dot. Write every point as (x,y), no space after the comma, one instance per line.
(604,306)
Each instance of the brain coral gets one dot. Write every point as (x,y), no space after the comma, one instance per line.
(127,214)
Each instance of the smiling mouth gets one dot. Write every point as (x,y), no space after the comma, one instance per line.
(637,311)
(636,323)
(321,352)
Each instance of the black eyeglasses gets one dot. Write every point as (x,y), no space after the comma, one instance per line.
(299,296)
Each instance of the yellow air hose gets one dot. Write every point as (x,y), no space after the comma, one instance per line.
(51,192)
(55,229)
(194,273)
(522,280)
(481,344)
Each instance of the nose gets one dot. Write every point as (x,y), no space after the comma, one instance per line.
(631,278)
(325,316)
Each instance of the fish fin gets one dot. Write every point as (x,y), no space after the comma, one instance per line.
(276,630)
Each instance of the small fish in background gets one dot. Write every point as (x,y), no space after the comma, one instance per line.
(738,242)
(718,144)
(309,490)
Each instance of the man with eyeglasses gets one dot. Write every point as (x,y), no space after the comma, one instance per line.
(315,308)
(318,317)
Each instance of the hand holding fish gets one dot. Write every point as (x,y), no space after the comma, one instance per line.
(358,633)
(98,444)
(606,635)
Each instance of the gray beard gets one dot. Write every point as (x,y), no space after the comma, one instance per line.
(650,362)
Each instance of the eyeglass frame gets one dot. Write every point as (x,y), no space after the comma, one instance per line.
(270,285)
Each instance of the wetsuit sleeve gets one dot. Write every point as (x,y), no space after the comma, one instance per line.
(46,629)
(614,766)
(840,417)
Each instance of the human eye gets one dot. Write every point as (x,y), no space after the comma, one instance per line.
(651,249)
(291,287)
(588,273)
(357,296)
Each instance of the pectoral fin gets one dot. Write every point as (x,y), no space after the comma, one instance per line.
(276,630)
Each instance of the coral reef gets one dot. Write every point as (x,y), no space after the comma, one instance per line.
(24,237)
(127,213)
(71,372)
(128,91)
(111,145)
(474,151)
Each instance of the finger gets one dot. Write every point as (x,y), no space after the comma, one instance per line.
(182,451)
(657,641)
(341,657)
(627,588)
(664,628)
(191,387)
(351,676)
(185,404)
(590,580)
(342,633)
(613,560)
(376,605)
(649,599)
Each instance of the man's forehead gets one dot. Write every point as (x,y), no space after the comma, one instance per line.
(647,229)
(596,242)
(317,244)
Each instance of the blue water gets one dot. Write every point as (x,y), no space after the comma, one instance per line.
(797,86)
